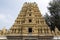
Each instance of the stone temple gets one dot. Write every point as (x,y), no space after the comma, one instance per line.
(29,25)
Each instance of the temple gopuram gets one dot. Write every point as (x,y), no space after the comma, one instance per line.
(29,25)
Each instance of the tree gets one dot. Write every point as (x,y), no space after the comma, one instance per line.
(54,10)
(49,22)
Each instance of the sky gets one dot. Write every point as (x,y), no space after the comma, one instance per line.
(9,10)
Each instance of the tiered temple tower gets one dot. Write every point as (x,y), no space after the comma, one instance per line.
(30,25)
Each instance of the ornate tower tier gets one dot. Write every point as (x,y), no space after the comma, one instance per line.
(31,22)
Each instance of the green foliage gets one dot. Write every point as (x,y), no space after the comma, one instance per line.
(54,10)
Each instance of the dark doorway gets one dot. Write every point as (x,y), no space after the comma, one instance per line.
(30,20)
(30,30)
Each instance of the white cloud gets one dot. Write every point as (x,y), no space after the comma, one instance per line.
(6,20)
(43,4)
(2,16)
